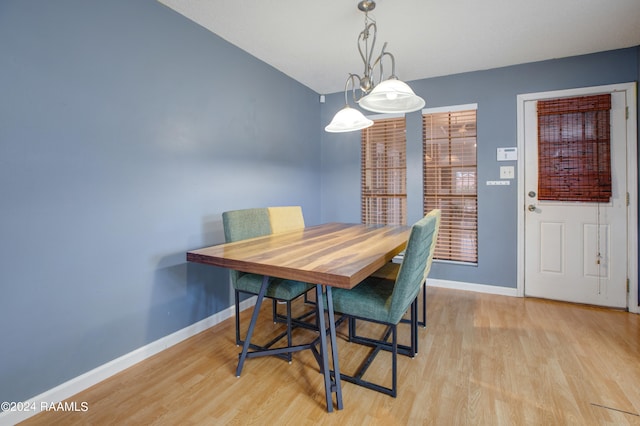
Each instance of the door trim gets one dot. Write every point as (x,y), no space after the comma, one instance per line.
(632,179)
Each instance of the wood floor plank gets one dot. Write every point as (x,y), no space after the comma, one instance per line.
(483,360)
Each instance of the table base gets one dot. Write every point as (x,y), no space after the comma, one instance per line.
(331,381)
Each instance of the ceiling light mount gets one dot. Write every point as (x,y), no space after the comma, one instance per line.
(388,95)
(367,6)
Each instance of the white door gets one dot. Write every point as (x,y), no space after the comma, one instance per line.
(577,251)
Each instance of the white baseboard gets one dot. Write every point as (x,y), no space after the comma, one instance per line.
(98,374)
(479,288)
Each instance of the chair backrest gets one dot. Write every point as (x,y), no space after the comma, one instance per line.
(248,223)
(285,218)
(415,266)
(243,224)
(437,213)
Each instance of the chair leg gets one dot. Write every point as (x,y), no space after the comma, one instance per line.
(352,329)
(424,304)
(238,341)
(377,346)
(289,339)
(274,305)
(414,328)
(394,361)
(307,300)
(298,321)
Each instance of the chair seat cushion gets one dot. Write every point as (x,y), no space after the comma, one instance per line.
(371,299)
(278,288)
(388,271)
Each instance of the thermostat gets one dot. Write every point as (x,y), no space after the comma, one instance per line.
(508,154)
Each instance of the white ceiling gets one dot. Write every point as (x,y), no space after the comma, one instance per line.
(316,43)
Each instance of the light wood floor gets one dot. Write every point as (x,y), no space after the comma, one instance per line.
(483,360)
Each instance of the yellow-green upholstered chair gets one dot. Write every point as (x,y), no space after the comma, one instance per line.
(285,218)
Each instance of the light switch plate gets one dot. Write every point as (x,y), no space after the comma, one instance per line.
(507,172)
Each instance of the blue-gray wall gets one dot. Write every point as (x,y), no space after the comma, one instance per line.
(495,91)
(125,131)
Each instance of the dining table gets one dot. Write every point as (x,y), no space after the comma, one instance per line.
(327,255)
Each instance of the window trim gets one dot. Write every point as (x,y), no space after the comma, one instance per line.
(452,108)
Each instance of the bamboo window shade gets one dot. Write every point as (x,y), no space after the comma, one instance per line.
(450,182)
(574,149)
(384,173)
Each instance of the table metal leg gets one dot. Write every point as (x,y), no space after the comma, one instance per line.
(252,324)
(330,385)
(334,349)
(323,349)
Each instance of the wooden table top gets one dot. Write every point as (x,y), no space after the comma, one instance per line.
(335,254)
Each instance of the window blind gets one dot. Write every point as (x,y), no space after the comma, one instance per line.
(574,149)
(384,173)
(450,181)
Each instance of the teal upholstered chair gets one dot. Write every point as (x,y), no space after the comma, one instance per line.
(386,301)
(250,223)
(390,272)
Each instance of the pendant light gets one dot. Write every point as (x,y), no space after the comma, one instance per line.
(389,96)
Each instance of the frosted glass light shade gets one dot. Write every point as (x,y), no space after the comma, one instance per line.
(391,96)
(347,120)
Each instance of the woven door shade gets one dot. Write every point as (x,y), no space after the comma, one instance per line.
(574,149)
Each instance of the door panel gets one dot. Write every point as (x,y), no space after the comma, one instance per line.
(552,240)
(594,243)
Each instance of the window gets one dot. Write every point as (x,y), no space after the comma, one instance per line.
(450,179)
(384,172)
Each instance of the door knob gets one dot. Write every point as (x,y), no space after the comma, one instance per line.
(531,208)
